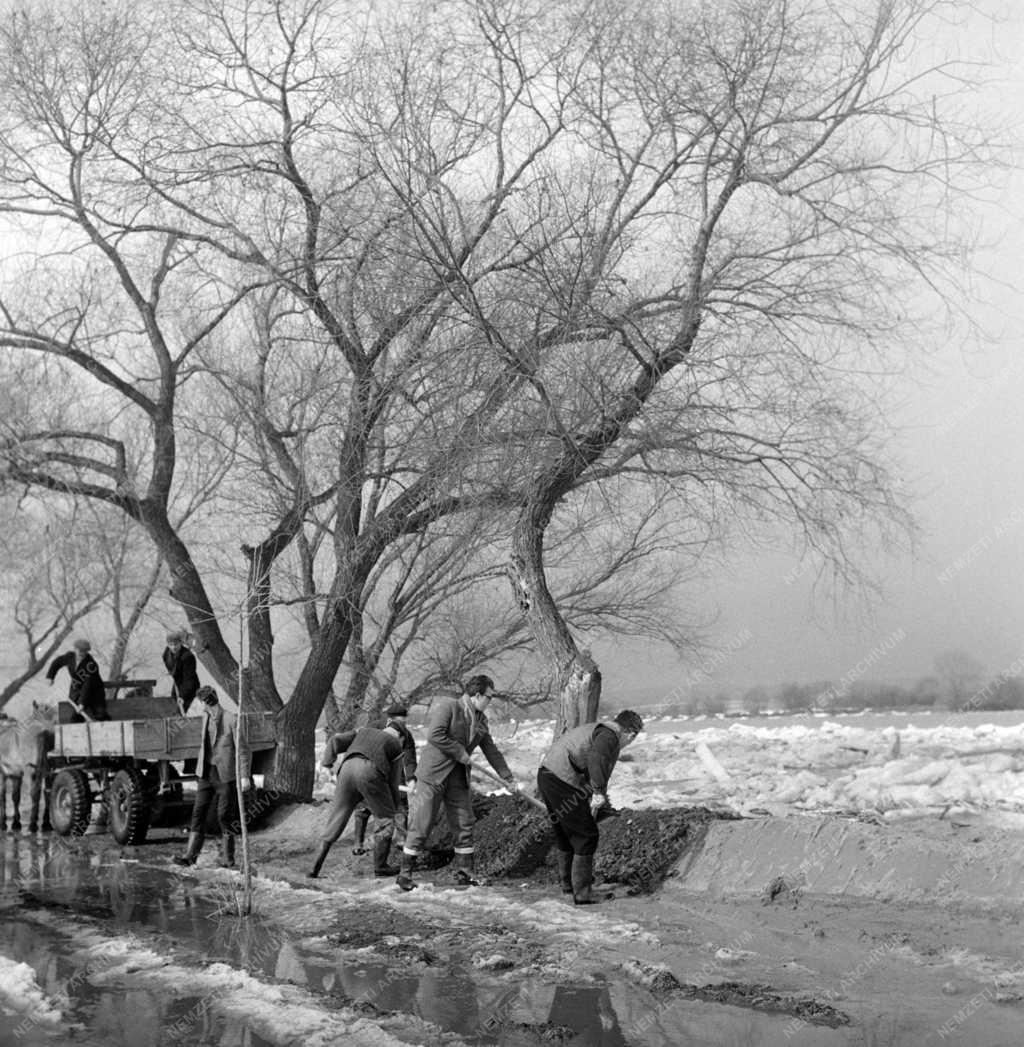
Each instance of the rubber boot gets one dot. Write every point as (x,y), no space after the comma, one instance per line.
(227,851)
(362,817)
(381,850)
(583,882)
(405,880)
(195,845)
(565,871)
(464,872)
(318,864)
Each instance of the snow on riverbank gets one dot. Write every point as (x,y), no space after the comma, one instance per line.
(23,1004)
(818,767)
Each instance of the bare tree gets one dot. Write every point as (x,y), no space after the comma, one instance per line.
(65,570)
(435,608)
(528,252)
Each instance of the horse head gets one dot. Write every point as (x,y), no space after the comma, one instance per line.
(43,714)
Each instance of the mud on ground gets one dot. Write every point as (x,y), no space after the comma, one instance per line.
(910,972)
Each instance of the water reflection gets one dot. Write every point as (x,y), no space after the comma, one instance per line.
(447,997)
(165,907)
(588,1010)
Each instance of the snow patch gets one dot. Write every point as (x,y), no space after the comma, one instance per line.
(22,1002)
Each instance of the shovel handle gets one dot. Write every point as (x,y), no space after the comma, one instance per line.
(81,712)
(501,781)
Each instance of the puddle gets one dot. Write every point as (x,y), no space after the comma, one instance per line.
(95,1016)
(43,883)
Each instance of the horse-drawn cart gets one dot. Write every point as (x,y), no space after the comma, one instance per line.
(128,762)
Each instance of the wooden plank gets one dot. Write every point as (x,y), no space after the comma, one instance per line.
(92,739)
(141,708)
(138,708)
(144,687)
(172,738)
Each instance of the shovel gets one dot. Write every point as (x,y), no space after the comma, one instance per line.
(81,712)
(501,781)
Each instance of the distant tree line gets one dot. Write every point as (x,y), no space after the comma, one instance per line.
(929,692)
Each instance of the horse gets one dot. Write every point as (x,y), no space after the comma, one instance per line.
(26,745)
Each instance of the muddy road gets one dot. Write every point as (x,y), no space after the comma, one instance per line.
(110,945)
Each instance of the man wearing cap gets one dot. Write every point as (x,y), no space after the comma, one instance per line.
(573,783)
(215,778)
(180,662)
(396,717)
(86,692)
(370,773)
(455,728)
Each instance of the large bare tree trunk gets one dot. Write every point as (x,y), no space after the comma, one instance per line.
(293,766)
(577,676)
(188,590)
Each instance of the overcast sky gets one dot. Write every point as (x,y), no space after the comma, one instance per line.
(961,448)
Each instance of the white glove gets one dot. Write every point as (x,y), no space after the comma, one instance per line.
(597,801)
(514,787)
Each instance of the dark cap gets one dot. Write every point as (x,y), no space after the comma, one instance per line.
(396,710)
(630,721)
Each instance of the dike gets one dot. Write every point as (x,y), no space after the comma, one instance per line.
(931,862)
(701,851)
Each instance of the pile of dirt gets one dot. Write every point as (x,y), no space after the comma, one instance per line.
(638,848)
(515,840)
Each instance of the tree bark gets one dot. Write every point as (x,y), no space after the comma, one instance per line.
(292,774)
(264,694)
(188,590)
(293,765)
(578,678)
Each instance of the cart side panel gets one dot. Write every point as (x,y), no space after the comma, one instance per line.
(179,737)
(170,738)
(108,738)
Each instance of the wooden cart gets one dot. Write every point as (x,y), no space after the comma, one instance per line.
(128,762)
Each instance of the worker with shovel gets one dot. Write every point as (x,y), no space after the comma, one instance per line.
(180,663)
(86,692)
(370,773)
(573,782)
(455,728)
(396,718)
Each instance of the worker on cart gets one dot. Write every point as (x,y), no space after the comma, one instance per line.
(86,691)
(180,664)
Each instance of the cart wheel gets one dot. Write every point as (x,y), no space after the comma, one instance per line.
(128,817)
(70,802)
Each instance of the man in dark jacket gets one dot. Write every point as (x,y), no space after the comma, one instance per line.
(456,727)
(370,772)
(215,778)
(86,691)
(180,662)
(573,783)
(396,717)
